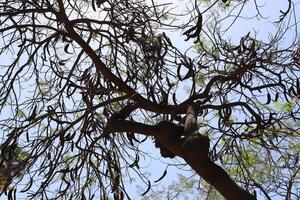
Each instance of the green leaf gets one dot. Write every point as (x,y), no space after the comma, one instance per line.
(20,114)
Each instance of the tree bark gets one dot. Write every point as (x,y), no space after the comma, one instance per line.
(193,150)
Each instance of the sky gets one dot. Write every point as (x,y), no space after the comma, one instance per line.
(265,28)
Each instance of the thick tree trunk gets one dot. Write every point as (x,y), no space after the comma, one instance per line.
(218,178)
(193,150)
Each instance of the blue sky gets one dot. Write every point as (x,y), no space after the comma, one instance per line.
(265,28)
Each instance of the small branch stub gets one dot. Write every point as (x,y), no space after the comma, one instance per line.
(195,144)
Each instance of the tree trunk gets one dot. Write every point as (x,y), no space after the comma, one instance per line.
(193,150)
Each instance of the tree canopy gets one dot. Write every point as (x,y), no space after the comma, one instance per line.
(84,84)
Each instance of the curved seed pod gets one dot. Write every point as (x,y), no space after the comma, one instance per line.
(268,99)
(148,189)
(163,175)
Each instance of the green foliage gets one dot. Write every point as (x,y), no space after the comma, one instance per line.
(285,107)
(11,163)
(74,67)
(186,187)
(206,46)
(20,114)
(200,79)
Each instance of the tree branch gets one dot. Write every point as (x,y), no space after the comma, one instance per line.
(193,149)
(130,126)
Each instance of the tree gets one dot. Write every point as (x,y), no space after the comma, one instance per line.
(83,82)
